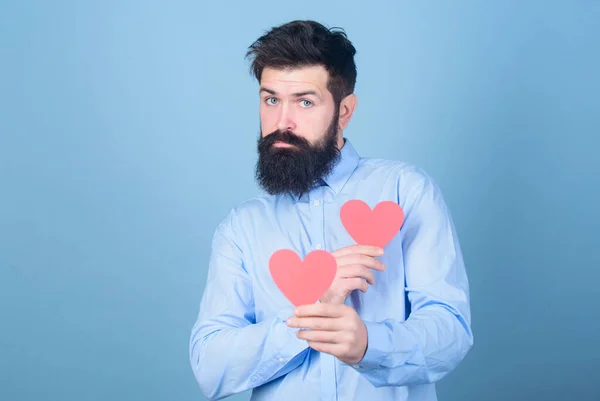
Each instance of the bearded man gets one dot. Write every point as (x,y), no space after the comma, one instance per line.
(395,319)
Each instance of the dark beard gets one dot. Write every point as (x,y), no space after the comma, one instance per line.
(295,169)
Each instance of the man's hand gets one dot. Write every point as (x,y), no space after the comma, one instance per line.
(334,329)
(354,264)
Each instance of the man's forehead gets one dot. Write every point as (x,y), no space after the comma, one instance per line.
(294,80)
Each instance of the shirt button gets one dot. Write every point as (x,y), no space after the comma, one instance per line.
(318,246)
(316,202)
(281,360)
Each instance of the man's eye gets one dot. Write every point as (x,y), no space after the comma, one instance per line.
(306,103)
(271,100)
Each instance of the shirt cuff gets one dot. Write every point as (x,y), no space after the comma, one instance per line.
(377,344)
(285,347)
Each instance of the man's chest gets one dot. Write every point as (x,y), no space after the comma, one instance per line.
(310,226)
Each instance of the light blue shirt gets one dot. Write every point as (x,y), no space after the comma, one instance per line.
(417,314)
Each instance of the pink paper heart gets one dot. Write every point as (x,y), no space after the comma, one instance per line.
(374,227)
(302,282)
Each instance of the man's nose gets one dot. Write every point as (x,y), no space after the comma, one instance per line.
(286,120)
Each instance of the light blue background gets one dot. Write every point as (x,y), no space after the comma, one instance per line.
(119,121)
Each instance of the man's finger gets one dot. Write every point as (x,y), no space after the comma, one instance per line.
(360,259)
(321,310)
(352,271)
(328,348)
(314,323)
(321,336)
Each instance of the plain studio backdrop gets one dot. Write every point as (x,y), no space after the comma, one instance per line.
(128,130)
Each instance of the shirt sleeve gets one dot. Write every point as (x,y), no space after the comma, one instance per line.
(229,351)
(437,335)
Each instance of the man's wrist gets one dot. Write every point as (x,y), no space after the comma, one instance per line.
(372,357)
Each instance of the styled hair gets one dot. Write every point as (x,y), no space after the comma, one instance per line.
(300,44)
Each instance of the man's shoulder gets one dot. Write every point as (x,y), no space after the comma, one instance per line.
(249,209)
(406,174)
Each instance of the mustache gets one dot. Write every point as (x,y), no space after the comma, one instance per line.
(287,137)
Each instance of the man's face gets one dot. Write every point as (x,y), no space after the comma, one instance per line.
(299,141)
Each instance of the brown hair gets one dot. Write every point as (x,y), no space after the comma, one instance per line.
(303,44)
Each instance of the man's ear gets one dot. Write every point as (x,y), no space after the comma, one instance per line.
(347,107)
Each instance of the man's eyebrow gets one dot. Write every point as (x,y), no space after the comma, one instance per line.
(297,94)
(270,91)
(304,93)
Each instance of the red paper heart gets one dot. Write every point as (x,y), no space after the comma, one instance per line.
(302,282)
(374,227)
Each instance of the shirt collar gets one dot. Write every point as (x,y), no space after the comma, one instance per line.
(341,172)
